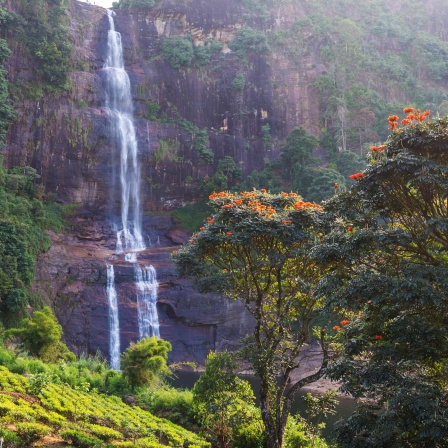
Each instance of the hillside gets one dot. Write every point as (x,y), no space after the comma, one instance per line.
(218,90)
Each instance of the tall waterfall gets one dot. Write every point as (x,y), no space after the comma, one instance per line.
(119,103)
(129,233)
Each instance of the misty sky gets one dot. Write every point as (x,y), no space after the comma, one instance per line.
(105,3)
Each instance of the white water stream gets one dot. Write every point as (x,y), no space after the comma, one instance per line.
(114,325)
(129,236)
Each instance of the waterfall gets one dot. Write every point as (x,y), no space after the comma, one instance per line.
(146,281)
(114,341)
(129,231)
(119,103)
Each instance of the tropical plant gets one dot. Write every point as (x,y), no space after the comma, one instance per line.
(255,249)
(249,41)
(385,256)
(41,336)
(145,361)
(221,400)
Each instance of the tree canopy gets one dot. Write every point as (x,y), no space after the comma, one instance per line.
(41,336)
(222,401)
(145,361)
(385,256)
(255,249)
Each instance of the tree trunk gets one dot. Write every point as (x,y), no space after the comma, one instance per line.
(273,427)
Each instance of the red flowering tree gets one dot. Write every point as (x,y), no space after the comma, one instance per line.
(386,257)
(255,249)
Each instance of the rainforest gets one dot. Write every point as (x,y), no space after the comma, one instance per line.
(252,192)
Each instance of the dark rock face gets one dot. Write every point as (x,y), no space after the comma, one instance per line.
(68,140)
(72,277)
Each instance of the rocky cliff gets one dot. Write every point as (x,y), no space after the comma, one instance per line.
(67,138)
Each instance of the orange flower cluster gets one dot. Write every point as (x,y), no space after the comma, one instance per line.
(228,233)
(222,194)
(238,202)
(378,148)
(336,185)
(202,229)
(414,117)
(336,328)
(286,221)
(357,176)
(299,205)
(227,206)
(411,119)
(263,190)
(256,206)
(344,322)
(210,220)
(248,194)
(393,121)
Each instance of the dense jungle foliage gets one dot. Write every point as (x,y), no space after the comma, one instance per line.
(373,277)
(47,396)
(23,212)
(41,27)
(369,58)
(365,274)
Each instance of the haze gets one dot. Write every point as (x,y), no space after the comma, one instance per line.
(103,3)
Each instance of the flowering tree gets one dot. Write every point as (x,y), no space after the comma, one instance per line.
(255,249)
(386,261)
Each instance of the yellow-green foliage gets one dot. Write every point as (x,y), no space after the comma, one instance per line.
(61,409)
(11,382)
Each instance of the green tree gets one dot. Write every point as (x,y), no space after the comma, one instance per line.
(255,249)
(385,255)
(322,186)
(296,153)
(41,337)
(222,401)
(239,82)
(178,52)
(348,162)
(7,113)
(249,41)
(145,361)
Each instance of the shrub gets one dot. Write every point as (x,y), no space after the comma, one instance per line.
(250,435)
(145,361)
(239,82)
(134,4)
(104,433)
(178,52)
(31,432)
(80,440)
(172,404)
(202,53)
(249,41)
(206,154)
(41,336)
(10,439)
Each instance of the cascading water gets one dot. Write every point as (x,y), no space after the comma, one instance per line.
(114,341)
(146,281)
(119,103)
(129,235)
